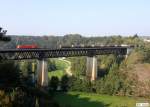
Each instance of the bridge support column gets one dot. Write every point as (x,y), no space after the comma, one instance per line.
(91,65)
(42,73)
(129,50)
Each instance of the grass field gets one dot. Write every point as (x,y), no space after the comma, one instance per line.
(61,66)
(80,99)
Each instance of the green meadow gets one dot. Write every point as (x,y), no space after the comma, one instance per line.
(61,66)
(82,99)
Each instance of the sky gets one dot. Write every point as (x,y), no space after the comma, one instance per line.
(86,17)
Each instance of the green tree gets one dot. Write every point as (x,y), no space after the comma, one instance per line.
(78,84)
(53,83)
(75,84)
(2,35)
(51,65)
(9,74)
(64,83)
(86,85)
(78,66)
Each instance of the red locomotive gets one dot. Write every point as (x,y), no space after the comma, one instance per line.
(27,46)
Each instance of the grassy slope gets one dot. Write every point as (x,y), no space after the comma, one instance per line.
(61,66)
(134,62)
(79,99)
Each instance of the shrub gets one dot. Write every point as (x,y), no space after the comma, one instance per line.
(53,84)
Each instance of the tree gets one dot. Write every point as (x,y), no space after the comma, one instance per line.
(86,85)
(135,36)
(9,80)
(9,74)
(78,84)
(51,65)
(64,83)
(78,66)
(2,35)
(53,84)
(99,86)
(75,84)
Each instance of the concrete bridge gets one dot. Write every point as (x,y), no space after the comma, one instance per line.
(42,54)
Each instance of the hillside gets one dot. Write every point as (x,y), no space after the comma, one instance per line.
(137,69)
(138,63)
(142,71)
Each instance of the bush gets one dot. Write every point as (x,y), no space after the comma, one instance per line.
(9,74)
(53,84)
(77,84)
(64,83)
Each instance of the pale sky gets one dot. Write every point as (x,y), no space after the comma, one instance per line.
(86,17)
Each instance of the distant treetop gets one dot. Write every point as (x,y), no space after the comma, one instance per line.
(135,36)
(2,35)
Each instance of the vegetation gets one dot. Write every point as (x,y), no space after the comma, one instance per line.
(2,35)
(9,74)
(80,99)
(78,66)
(70,39)
(60,67)
(15,91)
(53,83)
(64,83)
(118,78)
(117,75)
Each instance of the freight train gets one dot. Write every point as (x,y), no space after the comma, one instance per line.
(32,46)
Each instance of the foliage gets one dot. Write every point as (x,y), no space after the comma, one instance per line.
(78,66)
(51,65)
(57,73)
(5,100)
(111,83)
(71,39)
(2,35)
(28,70)
(77,84)
(9,74)
(104,63)
(61,66)
(80,99)
(64,83)
(53,83)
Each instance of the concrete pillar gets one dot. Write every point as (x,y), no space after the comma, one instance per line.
(33,72)
(91,65)
(129,50)
(42,73)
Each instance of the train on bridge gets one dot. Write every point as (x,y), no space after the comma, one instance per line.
(34,46)
(95,46)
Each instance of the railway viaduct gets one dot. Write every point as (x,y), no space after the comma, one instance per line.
(42,54)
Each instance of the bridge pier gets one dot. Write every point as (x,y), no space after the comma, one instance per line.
(42,73)
(91,65)
(129,50)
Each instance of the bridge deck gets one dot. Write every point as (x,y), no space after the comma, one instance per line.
(21,54)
